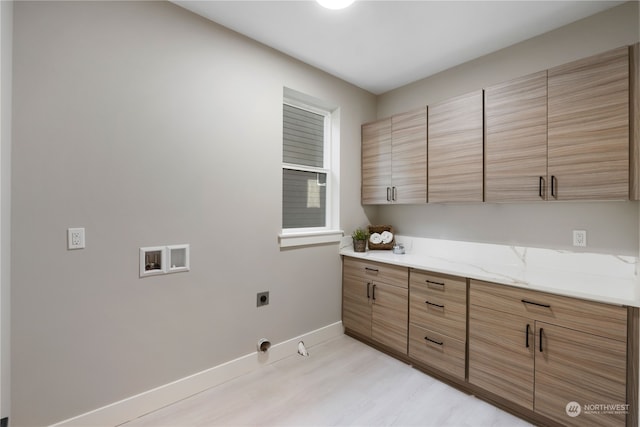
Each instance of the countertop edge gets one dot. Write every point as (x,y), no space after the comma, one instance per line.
(494,274)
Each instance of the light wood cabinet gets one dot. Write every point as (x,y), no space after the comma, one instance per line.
(543,351)
(394,159)
(634,122)
(573,366)
(588,128)
(409,157)
(501,354)
(375,302)
(437,321)
(376,162)
(516,140)
(455,146)
(567,133)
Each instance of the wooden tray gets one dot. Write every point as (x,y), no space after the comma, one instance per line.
(380,229)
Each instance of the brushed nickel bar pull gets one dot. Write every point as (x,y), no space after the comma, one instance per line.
(388,194)
(394,193)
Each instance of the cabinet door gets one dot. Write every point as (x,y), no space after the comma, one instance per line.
(356,305)
(454,143)
(634,122)
(390,316)
(588,125)
(409,157)
(573,366)
(501,354)
(376,162)
(516,139)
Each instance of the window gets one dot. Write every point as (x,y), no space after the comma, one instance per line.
(309,180)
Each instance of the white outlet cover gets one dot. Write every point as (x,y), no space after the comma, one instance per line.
(75,238)
(580,238)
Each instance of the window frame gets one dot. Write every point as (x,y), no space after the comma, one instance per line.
(330,232)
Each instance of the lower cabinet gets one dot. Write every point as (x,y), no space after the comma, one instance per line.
(437,321)
(501,354)
(572,366)
(549,354)
(544,356)
(375,302)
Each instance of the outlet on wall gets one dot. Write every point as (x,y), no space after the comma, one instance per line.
(262,299)
(580,238)
(75,238)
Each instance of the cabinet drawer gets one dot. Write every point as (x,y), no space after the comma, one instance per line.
(439,308)
(592,317)
(376,271)
(452,289)
(439,351)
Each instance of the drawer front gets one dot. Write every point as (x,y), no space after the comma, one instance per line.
(437,312)
(592,317)
(438,351)
(451,289)
(377,272)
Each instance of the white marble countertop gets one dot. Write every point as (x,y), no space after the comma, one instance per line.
(592,276)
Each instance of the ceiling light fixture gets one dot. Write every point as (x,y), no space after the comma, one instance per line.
(335,4)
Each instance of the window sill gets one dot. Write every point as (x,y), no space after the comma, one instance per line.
(306,238)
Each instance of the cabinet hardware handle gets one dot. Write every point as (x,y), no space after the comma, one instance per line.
(540,184)
(553,186)
(368,285)
(536,303)
(541,339)
(527,333)
(430,282)
(434,341)
(435,305)
(374,292)
(375,270)
(394,193)
(388,194)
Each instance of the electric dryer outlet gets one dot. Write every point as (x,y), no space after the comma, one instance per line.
(262,299)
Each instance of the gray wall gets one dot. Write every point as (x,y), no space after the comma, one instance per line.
(6,42)
(611,227)
(148,125)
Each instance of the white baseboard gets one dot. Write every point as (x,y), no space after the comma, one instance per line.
(135,406)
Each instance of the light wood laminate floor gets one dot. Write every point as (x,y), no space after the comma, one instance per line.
(341,383)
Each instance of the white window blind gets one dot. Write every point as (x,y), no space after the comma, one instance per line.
(303,135)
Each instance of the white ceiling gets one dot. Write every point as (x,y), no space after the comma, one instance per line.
(382,45)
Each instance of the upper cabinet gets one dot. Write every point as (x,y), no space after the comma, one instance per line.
(455,139)
(394,159)
(409,157)
(568,133)
(376,162)
(588,128)
(516,140)
(634,123)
